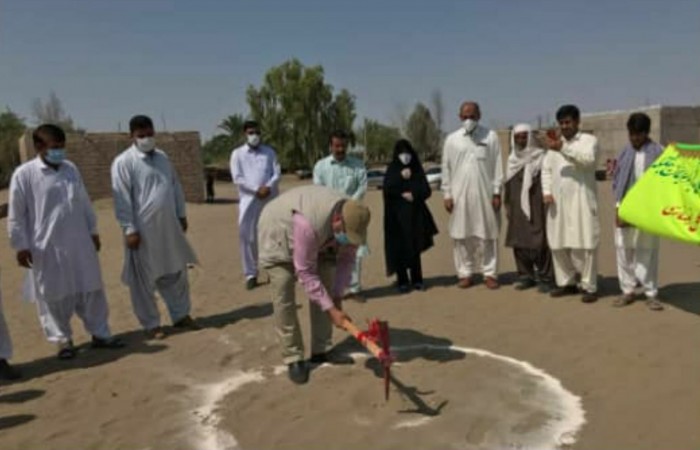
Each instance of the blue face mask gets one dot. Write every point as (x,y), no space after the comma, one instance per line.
(341,238)
(55,155)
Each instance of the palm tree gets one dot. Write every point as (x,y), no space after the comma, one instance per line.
(233,126)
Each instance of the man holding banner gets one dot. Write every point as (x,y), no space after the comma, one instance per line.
(637,251)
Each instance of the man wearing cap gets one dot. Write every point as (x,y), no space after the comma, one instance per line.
(311,232)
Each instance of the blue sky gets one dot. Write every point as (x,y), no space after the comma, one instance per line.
(190,61)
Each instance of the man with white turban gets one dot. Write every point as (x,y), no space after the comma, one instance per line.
(526,211)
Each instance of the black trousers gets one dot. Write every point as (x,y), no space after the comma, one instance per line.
(210,192)
(534,264)
(412,268)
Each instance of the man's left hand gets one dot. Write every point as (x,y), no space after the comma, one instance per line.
(619,222)
(96,242)
(184,224)
(496,202)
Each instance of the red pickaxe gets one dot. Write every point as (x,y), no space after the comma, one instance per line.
(376,341)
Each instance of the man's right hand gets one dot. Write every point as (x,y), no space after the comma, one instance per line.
(263,192)
(24,258)
(133,241)
(338,317)
(449,205)
(548,200)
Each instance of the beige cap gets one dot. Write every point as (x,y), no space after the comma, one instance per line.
(356,218)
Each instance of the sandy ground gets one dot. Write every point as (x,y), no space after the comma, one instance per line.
(636,371)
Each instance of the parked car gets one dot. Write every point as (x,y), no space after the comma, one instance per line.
(434,176)
(375,178)
(303,174)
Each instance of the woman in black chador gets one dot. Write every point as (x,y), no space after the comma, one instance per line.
(408,225)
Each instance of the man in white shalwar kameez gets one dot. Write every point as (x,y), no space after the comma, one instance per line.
(256,173)
(53,228)
(570,191)
(472,175)
(7,372)
(150,207)
(637,251)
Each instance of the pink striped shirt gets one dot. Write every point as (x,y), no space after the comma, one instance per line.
(305,256)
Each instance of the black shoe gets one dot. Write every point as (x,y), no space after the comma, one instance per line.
(110,342)
(563,291)
(589,297)
(251,283)
(7,372)
(418,287)
(67,351)
(525,283)
(298,372)
(544,287)
(187,323)
(331,357)
(404,289)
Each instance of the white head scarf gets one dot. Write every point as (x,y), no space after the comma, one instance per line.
(529,158)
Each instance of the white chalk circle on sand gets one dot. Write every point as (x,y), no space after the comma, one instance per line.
(442,397)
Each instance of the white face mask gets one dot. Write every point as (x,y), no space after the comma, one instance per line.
(469,125)
(146,144)
(405,158)
(253,139)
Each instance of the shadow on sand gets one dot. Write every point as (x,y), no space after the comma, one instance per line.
(409,345)
(16,420)
(248,312)
(21,396)
(390,290)
(88,357)
(682,295)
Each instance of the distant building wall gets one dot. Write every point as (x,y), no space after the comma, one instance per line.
(680,124)
(610,128)
(668,124)
(93,153)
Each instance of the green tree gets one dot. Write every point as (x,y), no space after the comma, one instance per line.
(11,129)
(297,111)
(423,133)
(51,111)
(217,150)
(233,126)
(378,140)
(343,113)
(438,111)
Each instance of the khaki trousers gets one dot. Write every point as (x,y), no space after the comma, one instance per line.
(285,311)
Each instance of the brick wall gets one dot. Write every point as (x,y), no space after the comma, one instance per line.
(93,153)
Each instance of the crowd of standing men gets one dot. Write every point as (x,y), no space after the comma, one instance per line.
(317,235)
(53,230)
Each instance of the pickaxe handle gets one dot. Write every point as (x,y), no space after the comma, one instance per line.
(361,337)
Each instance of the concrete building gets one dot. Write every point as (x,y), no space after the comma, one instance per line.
(93,153)
(668,124)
